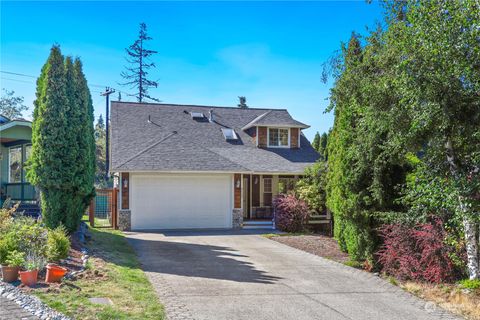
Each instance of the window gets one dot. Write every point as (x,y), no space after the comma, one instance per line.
(267,192)
(15,165)
(28,152)
(229,134)
(278,137)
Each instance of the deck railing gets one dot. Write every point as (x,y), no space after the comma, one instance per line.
(20,191)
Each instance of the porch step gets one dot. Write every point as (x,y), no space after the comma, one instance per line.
(252,224)
(29,209)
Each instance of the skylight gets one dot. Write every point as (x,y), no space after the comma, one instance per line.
(229,134)
(197,115)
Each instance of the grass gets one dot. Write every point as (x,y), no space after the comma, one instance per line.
(449,296)
(114,272)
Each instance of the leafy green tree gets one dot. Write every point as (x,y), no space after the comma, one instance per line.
(440,84)
(311,187)
(11,106)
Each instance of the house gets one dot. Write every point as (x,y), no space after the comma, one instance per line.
(15,146)
(188,166)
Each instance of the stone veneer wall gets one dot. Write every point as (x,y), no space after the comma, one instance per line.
(124,219)
(237,218)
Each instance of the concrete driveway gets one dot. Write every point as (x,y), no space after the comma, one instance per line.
(240,275)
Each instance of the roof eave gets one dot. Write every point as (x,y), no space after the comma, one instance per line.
(303,126)
(13,123)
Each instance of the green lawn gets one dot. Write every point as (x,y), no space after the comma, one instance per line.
(114,273)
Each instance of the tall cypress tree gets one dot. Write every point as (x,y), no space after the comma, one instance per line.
(81,124)
(86,134)
(46,168)
(316,141)
(62,164)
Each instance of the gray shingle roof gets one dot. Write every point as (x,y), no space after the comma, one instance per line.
(173,141)
(273,118)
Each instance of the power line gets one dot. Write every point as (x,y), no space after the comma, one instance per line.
(4,78)
(34,77)
(18,74)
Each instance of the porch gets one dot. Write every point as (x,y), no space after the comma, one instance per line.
(15,149)
(258,192)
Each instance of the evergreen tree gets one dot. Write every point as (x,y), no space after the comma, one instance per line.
(139,59)
(100,136)
(62,162)
(86,141)
(322,146)
(316,141)
(243,102)
(46,166)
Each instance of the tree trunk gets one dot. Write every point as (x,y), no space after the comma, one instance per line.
(470,229)
(469,226)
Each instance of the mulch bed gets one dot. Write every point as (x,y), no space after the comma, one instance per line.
(72,263)
(316,244)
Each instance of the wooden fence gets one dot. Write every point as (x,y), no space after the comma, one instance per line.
(103,209)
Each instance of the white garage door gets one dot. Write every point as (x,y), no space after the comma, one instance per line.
(167,201)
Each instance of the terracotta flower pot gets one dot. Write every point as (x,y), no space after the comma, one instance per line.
(29,278)
(55,273)
(10,274)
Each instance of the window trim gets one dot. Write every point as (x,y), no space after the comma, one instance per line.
(10,163)
(277,146)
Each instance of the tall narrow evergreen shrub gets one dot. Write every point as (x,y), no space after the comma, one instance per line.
(62,160)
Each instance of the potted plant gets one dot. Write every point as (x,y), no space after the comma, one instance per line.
(33,263)
(12,265)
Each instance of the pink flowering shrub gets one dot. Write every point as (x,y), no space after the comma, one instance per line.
(416,253)
(291,214)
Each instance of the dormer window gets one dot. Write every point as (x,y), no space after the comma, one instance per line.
(229,134)
(278,137)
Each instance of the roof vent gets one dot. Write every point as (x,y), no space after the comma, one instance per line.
(229,134)
(197,115)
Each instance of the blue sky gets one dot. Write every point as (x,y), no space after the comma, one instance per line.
(209,52)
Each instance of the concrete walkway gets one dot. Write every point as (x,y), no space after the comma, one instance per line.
(240,275)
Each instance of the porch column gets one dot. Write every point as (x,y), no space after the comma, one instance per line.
(237,214)
(124,214)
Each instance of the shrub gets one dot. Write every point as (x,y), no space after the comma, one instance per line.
(58,244)
(24,235)
(291,214)
(416,253)
(311,188)
(9,242)
(15,259)
(470,284)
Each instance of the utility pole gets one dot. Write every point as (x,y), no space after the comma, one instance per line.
(106,94)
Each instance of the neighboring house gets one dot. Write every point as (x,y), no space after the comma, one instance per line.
(15,146)
(186,166)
